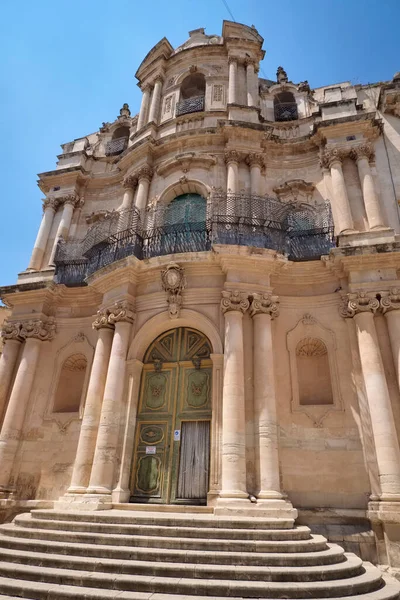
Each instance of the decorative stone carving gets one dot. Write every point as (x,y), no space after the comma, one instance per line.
(281,75)
(308,320)
(232,156)
(124,111)
(130,181)
(121,311)
(311,347)
(358,302)
(101,319)
(391,301)
(290,191)
(52,203)
(145,172)
(173,282)
(234,300)
(264,304)
(331,156)
(38,329)
(304,86)
(254,158)
(363,151)
(11,330)
(70,199)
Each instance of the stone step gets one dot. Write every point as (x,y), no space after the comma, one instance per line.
(367,581)
(315,543)
(298,533)
(44,591)
(166,519)
(333,554)
(351,566)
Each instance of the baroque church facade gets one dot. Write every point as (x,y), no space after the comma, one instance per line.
(211,312)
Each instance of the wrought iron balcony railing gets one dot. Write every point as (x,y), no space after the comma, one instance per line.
(191,105)
(117,146)
(299,232)
(286,111)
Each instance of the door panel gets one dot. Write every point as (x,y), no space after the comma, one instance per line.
(175,395)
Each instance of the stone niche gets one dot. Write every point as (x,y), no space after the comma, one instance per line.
(313,370)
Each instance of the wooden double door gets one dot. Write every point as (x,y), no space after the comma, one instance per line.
(172,440)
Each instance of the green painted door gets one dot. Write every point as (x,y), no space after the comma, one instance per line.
(172,441)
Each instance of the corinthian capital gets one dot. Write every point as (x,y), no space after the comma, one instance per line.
(266,304)
(234,300)
(145,172)
(52,203)
(11,330)
(255,159)
(232,156)
(336,155)
(358,302)
(363,151)
(101,320)
(121,311)
(71,199)
(130,181)
(38,329)
(391,301)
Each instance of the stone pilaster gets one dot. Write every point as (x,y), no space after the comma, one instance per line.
(333,159)
(144,107)
(144,175)
(49,209)
(256,163)
(232,159)
(363,155)
(252,91)
(156,100)
(69,203)
(130,183)
(34,332)
(232,89)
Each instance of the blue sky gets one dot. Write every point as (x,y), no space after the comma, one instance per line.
(66,67)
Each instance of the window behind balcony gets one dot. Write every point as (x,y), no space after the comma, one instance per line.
(118,142)
(285,107)
(192,93)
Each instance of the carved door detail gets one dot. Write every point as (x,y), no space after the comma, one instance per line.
(172,439)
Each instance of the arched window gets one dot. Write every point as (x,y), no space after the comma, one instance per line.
(119,141)
(314,378)
(285,107)
(193,91)
(70,384)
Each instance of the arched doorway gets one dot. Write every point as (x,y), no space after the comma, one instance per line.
(172,439)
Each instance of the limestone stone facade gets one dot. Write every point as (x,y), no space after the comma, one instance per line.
(216,275)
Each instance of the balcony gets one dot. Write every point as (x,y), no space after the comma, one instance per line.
(116,146)
(286,111)
(300,233)
(191,105)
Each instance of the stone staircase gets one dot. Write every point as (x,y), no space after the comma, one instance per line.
(154,555)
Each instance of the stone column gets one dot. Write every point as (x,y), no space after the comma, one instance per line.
(69,203)
(363,155)
(234,304)
(91,416)
(256,163)
(129,183)
(250,80)
(102,475)
(232,159)
(144,108)
(155,100)
(362,307)
(8,359)
(264,308)
(122,491)
(34,332)
(216,426)
(232,89)
(390,306)
(144,176)
(39,248)
(340,198)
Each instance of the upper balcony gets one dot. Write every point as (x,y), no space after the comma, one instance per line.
(190,105)
(190,224)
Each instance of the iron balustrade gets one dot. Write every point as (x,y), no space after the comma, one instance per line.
(190,105)
(299,231)
(116,146)
(285,111)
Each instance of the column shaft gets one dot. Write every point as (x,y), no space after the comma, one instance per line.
(343,212)
(251,99)
(265,407)
(155,102)
(255,176)
(91,417)
(102,476)
(232,98)
(8,361)
(39,247)
(393,324)
(385,437)
(144,108)
(127,200)
(63,228)
(232,177)
(16,409)
(371,201)
(233,412)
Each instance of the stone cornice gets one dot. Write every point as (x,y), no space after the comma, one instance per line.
(343,261)
(250,260)
(365,123)
(185,162)
(121,272)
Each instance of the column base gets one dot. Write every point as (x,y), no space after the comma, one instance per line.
(278,510)
(120,496)
(70,502)
(366,238)
(384,514)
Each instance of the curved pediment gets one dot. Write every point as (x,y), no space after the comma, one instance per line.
(186,161)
